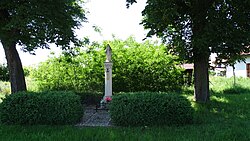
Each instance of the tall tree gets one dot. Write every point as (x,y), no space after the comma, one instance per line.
(197,28)
(33,24)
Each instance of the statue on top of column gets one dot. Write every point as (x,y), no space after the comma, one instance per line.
(108,53)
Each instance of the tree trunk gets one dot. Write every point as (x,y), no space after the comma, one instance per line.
(234,83)
(201,79)
(17,79)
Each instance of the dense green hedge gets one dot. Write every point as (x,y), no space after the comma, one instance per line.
(90,98)
(41,108)
(150,109)
(136,67)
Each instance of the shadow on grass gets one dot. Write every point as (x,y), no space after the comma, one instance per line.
(237,89)
(222,109)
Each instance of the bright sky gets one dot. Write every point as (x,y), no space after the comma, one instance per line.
(111,16)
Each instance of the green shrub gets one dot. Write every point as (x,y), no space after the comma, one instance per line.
(4,89)
(4,73)
(90,98)
(136,67)
(41,108)
(149,109)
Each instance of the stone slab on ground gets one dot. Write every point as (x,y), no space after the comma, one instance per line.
(92,117)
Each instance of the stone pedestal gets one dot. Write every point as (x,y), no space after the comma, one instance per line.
(108,79)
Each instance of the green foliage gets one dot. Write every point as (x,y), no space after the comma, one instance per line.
(90,98)
(225,117)
(149,109)
(136,67)
(34,24)
(31,84)
(195,29)
(144,67)
(38,22)
(4,89)
(200,27)
(27,70)
(31,108)
(4,73)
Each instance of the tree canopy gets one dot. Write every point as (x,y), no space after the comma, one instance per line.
(197,28)
(33,24)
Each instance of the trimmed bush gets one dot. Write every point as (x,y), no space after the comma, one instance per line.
(150,109)
(90,98)
(50,108)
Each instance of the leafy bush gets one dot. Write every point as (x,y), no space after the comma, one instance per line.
(147,109)
(4,89)
(41,108)
(26,70)
(136,67)
(90,98)
(4,73)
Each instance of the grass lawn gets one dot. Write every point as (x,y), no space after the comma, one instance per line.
(226,117)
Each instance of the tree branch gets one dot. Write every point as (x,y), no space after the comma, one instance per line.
(130,2)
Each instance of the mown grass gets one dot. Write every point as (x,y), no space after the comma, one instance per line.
(225,117)
(207,132)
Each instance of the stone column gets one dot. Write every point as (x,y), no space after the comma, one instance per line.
(108,73)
